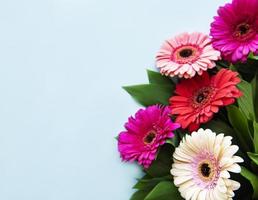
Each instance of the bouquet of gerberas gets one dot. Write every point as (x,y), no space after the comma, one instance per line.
(197,137)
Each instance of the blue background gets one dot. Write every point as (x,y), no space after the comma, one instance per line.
(62,63)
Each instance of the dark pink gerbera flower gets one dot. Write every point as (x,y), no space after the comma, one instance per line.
(235,30)
(144,133)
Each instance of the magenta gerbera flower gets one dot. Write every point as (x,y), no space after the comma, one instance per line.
(235,30)
(144,133)
(186,55)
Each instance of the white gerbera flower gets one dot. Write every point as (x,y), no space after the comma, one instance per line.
(201,167)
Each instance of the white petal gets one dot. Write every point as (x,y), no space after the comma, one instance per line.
(234,168)
(224,174)
(188,193)
(181,179)
(230,151)
(187,185)
(235,185)
(196,194)
(178,172)
(238,159)
(202,195)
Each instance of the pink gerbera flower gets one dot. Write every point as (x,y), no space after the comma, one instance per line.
(197,99)
(186,54)
(235,30)
(144,133)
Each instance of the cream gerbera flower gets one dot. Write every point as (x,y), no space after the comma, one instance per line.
(201,167)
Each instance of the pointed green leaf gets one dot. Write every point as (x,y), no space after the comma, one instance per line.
(255,136)
(252,56)
(240,125)
(178,135)
(165,190)
(162,165)
(255,95)
(253,180)
(247,69)
(222,63)
(150,94)
(140,195)
(158,78)
(219,126)
(254,157)
(245,102)
(150,183)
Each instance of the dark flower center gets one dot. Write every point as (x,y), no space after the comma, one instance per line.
(149,137)
(205,170)
(185,53)
(202,95)
(243,28)
(200,98)
(244,31)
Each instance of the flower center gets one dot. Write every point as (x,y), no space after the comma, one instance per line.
(149,138)
(205,169)
(185,53)
(243,28)
(244,31)
(202,96)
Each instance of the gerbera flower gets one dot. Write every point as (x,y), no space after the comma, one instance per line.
(235,30)
(197,99)
(144,133)
(202,163)
(186,54)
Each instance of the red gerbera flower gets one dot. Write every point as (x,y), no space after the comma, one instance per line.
(197,99)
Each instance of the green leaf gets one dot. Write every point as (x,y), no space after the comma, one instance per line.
(252,56)
(254,157)
(150,183)
(253,180)
(219,126)
(233,68)
(255,95)
(176,139)
(150,94)
(162,165)
(247,69)
(222,63)
(165,190)
(158,78)
(140,195)
(245,102)
(255,125)
(240,125)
